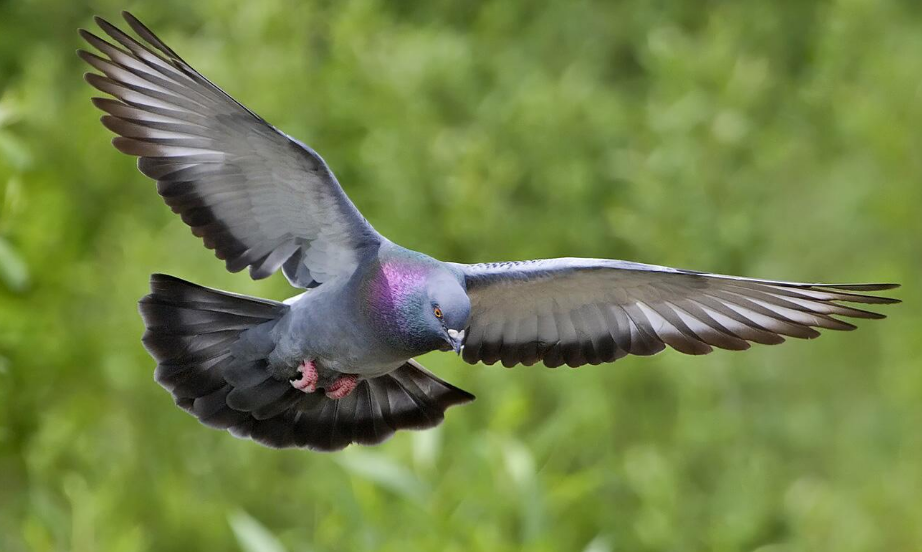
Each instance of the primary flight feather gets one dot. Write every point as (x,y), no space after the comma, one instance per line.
(334,365)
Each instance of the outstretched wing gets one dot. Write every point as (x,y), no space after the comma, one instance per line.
(253,194)
(588,311)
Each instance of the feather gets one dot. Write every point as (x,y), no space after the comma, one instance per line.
(605,309)
(182,126)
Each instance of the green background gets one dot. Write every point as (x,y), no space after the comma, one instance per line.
(771,139)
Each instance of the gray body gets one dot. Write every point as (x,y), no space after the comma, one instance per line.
(330,324)
(314,329)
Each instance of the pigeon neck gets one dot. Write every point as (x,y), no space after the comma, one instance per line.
(394,292)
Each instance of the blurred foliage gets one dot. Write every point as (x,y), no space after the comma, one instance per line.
(772,139)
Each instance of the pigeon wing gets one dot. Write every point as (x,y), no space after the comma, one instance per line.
(257,197)
(588,311)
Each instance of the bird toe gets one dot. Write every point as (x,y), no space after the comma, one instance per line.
(307,382)
(342,386)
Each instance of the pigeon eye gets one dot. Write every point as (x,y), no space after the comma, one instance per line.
(438,312)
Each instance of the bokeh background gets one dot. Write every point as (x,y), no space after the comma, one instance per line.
(772,139)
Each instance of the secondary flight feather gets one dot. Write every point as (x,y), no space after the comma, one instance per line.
(334,365)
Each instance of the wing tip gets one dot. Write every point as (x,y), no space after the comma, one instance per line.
(86,35)
(860,287)
(96,80)
(125,145)
(111,123)
(845,326)
(107,27)
(130,18)
(103,103)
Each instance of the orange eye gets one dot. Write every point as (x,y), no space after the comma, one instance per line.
(438,312)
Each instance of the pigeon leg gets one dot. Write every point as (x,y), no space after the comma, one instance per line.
(309,376)
(342,386)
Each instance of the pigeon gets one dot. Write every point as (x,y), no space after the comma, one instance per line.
(334,365)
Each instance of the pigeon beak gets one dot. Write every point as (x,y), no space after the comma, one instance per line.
(457,340)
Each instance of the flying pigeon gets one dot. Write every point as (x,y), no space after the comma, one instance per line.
(334,365)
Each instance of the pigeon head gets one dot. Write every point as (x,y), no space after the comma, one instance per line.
(450,308)
(418,306)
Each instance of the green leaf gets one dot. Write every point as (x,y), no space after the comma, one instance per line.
(13,271)
(253,535)
(599,544)
(14,151)
(380,469)
(426,448)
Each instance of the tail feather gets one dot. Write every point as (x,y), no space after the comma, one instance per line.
(195,334)
(408,398)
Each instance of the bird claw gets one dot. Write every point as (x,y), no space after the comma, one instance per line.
(342,386)
(310,377)
(307,383)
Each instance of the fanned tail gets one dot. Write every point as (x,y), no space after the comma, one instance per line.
(410,397)
(211,348)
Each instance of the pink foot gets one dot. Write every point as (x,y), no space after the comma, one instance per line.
(342,386)
(309,376)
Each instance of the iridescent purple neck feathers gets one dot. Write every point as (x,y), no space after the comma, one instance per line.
(400,295)
(394,285)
